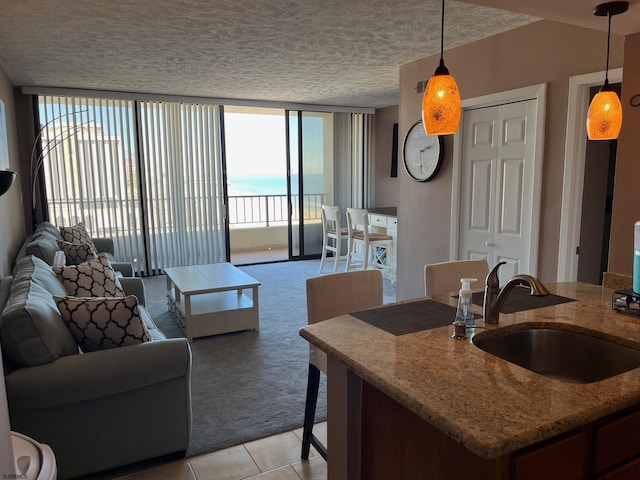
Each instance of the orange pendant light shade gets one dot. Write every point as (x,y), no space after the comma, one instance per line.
(604,119)
(441,105)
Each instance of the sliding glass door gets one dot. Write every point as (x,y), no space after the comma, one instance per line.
(279,168)
(311,180)
(255,159)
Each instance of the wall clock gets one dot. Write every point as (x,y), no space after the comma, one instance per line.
(422,153)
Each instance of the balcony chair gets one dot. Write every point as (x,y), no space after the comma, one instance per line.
(443,278)
(365,247)
(332,235)
(330,296)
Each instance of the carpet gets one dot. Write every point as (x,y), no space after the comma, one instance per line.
(249,385)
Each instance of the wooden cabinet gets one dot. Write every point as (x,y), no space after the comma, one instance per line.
(616,442)
(564,459)
(627,471)
(396,443)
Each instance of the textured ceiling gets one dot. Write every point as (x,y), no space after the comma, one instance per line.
(333,52)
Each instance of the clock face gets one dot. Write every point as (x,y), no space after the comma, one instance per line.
(422,153)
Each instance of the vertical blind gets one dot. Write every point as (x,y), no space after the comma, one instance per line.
(161,201)
(183,183)
(89,163)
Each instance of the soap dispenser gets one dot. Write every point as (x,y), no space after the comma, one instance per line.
(463,312)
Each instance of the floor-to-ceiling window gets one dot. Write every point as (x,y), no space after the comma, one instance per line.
(153,176)
(88,160)
(147,174)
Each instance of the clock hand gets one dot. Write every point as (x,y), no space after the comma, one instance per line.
(426,148)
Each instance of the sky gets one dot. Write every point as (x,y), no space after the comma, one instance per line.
(255,144)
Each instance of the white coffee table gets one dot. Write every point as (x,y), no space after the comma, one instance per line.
(211,299)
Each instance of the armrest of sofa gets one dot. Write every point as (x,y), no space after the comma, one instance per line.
(125,268)
(134,286)
(84,377)
(104,244)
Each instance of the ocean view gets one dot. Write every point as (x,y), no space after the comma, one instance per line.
(271,184)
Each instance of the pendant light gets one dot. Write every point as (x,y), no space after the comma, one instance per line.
(605,111)
(441,106)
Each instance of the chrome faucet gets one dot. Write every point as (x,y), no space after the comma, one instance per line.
(494,296)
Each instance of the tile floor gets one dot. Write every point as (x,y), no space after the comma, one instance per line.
(271,458)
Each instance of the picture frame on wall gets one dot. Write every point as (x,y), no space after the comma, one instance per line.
(394,151)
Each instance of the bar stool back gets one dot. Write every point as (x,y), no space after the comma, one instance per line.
(444,277)
(330,296)
(367,248)
(332,235)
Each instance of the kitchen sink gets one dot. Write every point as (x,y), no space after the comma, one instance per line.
(565,355)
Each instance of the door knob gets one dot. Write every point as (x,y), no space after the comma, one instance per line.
(490,244)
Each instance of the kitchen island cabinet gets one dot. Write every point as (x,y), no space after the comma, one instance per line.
(424,405)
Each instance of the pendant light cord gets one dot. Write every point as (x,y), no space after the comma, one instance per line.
(442,35)
(606,72)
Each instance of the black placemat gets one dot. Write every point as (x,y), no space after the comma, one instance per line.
(520,299)
(405,318)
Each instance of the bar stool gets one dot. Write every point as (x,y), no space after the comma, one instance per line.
(444,277)
(330,296)
(332,235)
(366,247)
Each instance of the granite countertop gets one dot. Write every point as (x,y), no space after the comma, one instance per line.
(489,405)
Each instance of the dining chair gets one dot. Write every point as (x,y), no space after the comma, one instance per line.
(444,277)
(367,248)
(332,235)
(330,296)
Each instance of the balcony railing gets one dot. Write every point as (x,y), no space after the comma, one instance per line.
(263,210)
(267,210)
(109,218)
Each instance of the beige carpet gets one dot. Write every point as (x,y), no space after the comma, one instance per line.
(249,385)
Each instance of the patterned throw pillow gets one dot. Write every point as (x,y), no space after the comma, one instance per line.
(77,234)
(76,253)
(95,278)
(99,323)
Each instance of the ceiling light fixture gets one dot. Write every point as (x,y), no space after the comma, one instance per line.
(604,119)
(441,106)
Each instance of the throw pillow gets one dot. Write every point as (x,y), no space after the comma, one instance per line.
(77,234)
(95,278)
(76,253)
(100,323)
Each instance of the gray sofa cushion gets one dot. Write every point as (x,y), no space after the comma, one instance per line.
(43,245)
(152,328)
(31,329)
(32,269)
(49,228)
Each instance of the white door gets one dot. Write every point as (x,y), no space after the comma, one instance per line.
(497,180)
